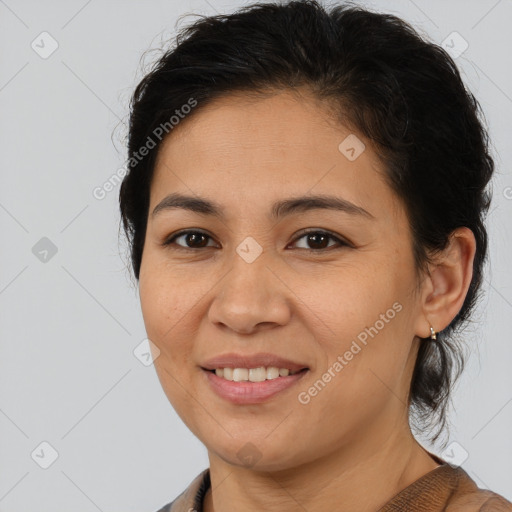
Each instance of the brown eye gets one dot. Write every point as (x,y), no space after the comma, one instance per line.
(192,240)
(319,240)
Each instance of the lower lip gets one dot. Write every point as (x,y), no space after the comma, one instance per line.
(247,392)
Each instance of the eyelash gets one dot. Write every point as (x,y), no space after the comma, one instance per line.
(170,241)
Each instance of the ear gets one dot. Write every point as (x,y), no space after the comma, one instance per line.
(446,285)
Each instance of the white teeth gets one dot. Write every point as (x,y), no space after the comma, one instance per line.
(272,372)
(257,374)
(240,374)
(253,374)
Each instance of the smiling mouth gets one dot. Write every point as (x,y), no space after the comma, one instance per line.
(259,374)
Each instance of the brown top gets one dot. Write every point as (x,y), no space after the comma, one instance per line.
(444,489)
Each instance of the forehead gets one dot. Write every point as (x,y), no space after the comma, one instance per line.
(245,148)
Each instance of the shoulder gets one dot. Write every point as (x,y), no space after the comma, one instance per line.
(192,497)
(468,497)
(478,500)
(447,489)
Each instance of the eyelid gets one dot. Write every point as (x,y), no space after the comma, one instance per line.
(340,240)
(170,239)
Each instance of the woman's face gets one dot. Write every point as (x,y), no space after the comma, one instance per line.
(247,284)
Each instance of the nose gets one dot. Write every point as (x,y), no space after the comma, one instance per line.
(250,297)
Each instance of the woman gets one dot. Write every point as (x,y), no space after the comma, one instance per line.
(305,206)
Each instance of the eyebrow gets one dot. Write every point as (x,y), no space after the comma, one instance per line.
(279,209)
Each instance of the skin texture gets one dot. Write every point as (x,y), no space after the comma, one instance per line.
(309,307)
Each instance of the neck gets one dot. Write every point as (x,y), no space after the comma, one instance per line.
(386,465)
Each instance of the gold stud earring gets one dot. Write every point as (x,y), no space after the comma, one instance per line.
(433,335)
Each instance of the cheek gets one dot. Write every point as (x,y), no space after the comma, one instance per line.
(164,292)
(167,318)
(362,318)
(165,310)
(348,298)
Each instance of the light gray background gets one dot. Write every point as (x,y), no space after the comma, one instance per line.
(68,375)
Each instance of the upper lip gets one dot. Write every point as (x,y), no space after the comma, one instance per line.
(233,360)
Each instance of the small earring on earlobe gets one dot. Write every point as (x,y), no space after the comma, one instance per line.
(432,333)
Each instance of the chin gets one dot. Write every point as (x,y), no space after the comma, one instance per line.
(257,454)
